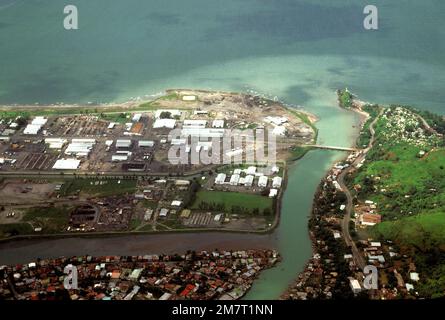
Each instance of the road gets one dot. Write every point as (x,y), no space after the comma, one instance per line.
(358,257)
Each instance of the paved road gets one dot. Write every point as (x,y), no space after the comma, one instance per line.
(358,257)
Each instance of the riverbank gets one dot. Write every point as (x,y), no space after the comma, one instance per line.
(324,275)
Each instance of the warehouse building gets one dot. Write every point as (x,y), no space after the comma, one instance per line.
(262,182)
(123,143)
(164,123)
(234,179)
(218,124)
(220,178)
(66,164)
(276,182)
(146,143)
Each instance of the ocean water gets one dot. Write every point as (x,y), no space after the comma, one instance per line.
(298,50)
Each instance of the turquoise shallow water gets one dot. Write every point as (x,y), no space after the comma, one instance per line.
(300,51)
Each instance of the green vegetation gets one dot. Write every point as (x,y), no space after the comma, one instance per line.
(365,134)
(405,176)
(423,231)
(50,219)
(345,98)
(437,122)
(410,184)
(171,96)
(15,229)
(98,187)
(233,201)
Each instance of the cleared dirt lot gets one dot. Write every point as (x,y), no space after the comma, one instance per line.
(23,192)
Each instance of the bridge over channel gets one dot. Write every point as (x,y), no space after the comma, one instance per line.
(332,147)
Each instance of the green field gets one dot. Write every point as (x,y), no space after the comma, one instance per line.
(98,187)
(52,219)
(13,229)
(231,199)
(424,230)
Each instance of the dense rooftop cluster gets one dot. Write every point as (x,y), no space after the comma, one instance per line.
(402,125)
(225,275)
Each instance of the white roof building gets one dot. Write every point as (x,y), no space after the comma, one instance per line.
(248,181)
(176,203)
(202,132)
(163,212)
(355,286)
(80,147)
(66,164)
(262,182)
(273,193)
(123,143)
(279,131)
(119,157)
(32,129)
(189,98)
(220,178)
(250,170)
(136,117)
(218,124)
(276,182)
(414,276)
(237,171)
(194,124)
(234,179)
(198,112)
(164,123)
(146,143)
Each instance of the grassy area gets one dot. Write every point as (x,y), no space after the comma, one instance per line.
(423,230)
(233,199)
(411,184)
(14,229)
(52,219)
(98,187)
(409,190)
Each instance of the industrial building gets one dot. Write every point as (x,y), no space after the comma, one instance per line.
(262,182)
(66,164)
(164,123)
(80,147)
(146,143)
(234,179)
(248,181)
(273,193)
(194,124)
(202,132)
(220,178)
(123,143)
(34,127)
(218,124)
(276,182)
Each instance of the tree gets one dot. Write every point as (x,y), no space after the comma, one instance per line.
(165,115)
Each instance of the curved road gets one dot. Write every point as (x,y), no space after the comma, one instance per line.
(358,257)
